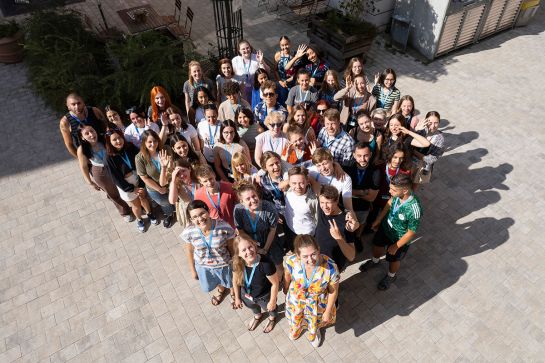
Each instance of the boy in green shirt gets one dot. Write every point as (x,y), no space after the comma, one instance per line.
(403,212)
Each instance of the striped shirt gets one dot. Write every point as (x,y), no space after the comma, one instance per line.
(385,100)
(215,255)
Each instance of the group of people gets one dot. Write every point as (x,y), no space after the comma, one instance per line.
(275,176)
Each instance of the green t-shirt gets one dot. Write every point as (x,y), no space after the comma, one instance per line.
(402,217)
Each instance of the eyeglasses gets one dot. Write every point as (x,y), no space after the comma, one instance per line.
(321,111)
(269,94)
(276,125)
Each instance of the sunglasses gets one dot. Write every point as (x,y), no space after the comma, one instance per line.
(321,111)
(269,94)
(276,125)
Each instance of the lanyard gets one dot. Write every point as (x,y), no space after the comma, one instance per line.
(397,205)
(229,155)
(126,160)
(253,223)
(384,96)
(308,281)
(314,70)
(301,97)
(356,105)
(361,175)
(275,146)
(215,205)
(212,139)
(191,191)
(246,69)
(138,132)
(276,191)
(234,109)
(157,164)
(248,281)
(330,142)
(208,243)
(388,175)
(78,120)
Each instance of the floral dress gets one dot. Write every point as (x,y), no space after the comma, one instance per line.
(304,311)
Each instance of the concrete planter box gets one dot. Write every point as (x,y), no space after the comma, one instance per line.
(338,47)
(11,48)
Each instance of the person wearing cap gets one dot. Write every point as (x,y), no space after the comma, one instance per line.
(315,66)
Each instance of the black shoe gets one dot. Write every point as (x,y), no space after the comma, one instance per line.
(385,283)
(367,265)
(168,221)
(152,219)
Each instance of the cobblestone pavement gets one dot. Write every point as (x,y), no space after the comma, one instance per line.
(79,284)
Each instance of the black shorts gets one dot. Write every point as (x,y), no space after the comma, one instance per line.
(382,240)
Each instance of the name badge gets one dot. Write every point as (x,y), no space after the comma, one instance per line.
(390,222)
(249,297)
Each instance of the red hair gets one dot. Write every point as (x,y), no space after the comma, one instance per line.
(154,91)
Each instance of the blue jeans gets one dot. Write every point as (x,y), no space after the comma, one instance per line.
(162,200)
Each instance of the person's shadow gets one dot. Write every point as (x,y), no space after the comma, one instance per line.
(447,235)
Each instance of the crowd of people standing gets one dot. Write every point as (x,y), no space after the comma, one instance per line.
(275,173)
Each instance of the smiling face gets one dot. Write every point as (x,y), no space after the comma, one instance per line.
(185,175)
(208,182)
(270,96)
(262,77)
(113,116)
(311,55)
(250,200)
(160,100)
(298,184)
(357,68)
(245,50)
(226,70)
(300,117)
(137,120)
(326,167)
(379,122)
(308,255)
(395,126)
(389,80)
(297,139)
(397,159)
(196,73)
(362,157)
(406,107)
(200,217)
(273,167)
(328,206)
(433,124)
(247,251)
(211,116)
(241,168)
(75,105)
(176,120)
(89,134)
(151,144)
(117,141)
(243,120)
(202,97)
(330,80)
(304,81)
(364,124)
(181,148)
(232,98)
(360,84)
(228,134)
(285,46)
(331,127)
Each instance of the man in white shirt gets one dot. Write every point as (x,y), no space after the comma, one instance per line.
(209,132)
(326,172)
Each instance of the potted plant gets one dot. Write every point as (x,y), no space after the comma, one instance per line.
(342,34)
(11,43)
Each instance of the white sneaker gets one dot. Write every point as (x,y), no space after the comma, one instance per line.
(316,342)
(128,218)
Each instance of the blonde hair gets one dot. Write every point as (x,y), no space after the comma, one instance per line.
(239,158)
(274,116)
(193,64)
(238,262)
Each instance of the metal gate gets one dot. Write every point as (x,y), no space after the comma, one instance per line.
(502,14)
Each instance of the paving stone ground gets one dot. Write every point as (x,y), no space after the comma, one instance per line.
(78,284)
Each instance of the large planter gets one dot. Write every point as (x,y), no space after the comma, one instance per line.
(11,48)
(338,47)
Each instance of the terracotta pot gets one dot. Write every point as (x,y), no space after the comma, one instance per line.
(11,48)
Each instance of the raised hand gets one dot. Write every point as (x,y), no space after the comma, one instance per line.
(377,78)
(301,50)
(334,230)
(312,147)
(164,158)
(422,124)
(259,56)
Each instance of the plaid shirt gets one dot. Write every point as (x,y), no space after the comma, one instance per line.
(341,147)
(260,112)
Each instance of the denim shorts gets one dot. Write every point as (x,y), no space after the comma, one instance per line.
(211,277)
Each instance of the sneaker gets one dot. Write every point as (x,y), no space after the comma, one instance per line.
(141,225)
(167,222)
(316,342)
(128,218)
(385,283)
(367,265)
(153,220)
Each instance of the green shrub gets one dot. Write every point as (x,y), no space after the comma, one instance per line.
(9,29)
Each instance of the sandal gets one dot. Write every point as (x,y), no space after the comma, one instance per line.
(218,297)
(270,325)
(255,322)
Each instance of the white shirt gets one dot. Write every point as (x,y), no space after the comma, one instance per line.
(210,136)
(344,187)
(189,133)
(134,134)
(268,143)
(298,215)
(244,70)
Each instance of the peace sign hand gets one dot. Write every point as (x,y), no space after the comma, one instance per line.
(334,230)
